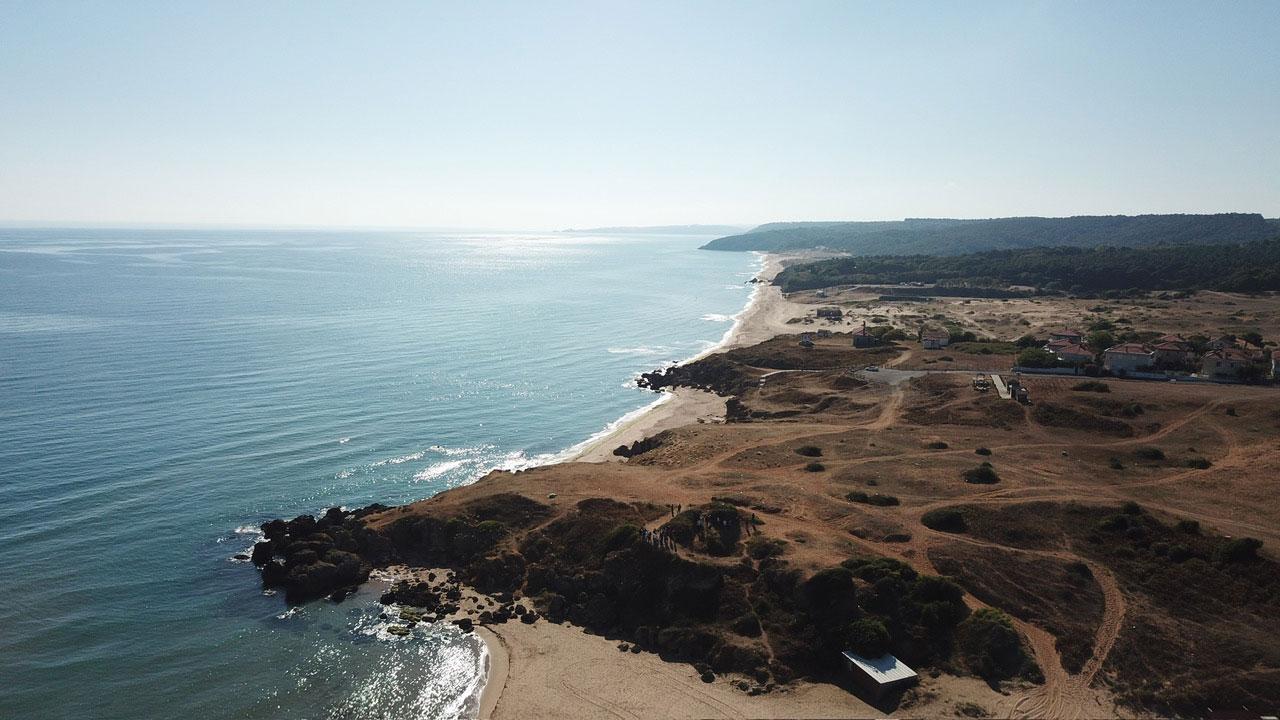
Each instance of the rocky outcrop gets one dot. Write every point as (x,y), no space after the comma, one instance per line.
(311,558)
(643,445)
(714,373)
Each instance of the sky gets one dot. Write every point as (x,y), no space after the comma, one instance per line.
(543,115)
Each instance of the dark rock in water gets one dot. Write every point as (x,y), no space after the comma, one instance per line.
(240,556)
(708,677)
(262,552)
(520,610)
(464,624)
(273,574)
(529,618)
(274,529)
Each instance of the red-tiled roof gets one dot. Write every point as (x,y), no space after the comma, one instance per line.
(1231,354)
(1073,350)
(1171,346)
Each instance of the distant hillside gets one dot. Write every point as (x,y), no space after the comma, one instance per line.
(1247,267)
(661,230)
(953,237)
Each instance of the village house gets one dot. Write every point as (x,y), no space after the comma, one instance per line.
(1074,354)
(935,339)
(1172,353)
(1073,337)
(1127,358)
(1225,364)
(864,339)
(879,676)
(1054,345)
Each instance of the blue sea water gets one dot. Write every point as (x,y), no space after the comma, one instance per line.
(163,392)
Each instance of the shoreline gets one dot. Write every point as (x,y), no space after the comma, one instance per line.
(756,322)
(764,316)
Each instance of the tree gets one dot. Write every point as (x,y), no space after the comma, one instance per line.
(1037,358)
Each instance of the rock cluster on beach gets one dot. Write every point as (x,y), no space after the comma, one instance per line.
(311,558)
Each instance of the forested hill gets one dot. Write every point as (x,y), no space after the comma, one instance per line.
(1247,267)
(954,237)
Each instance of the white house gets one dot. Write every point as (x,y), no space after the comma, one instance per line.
(935,339)
(1127,358)
(1073,354)
(879,675)
(1226,363)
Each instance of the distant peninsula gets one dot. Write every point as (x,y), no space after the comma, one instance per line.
(924,236)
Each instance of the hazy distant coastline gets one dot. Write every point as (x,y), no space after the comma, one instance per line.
(664,230)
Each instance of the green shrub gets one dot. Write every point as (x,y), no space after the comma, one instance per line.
(623,536)
(937,445)
(1178,553)
(1116,464)
(1199,463)
(1114,523)
(874,499)
(1149,453)
(867,637)
(984,474)
(1131,508)
(759,547)
(1189,527)
(989,645)
(982,451)
(809,451)
(815,467)
(1238,550)
(944,520)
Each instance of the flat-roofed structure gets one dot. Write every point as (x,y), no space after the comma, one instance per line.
(879,676)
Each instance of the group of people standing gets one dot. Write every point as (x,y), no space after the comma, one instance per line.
(659,538)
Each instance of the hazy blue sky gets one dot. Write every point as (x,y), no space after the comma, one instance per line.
(543,115)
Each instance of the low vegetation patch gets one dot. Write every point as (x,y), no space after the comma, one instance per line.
(815,467)
(982,451)
(1091,386)
(1196,601)
(872,499)
(945,520)
(809,451)
(1152,454)
(984,474)
(937,445)
(1062,416)
(1060,596)
(990,647)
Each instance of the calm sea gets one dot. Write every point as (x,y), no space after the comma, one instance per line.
(162,392)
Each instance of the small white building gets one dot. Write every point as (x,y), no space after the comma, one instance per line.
(935,339)
(1127,358)
(879,676)
(1074,354)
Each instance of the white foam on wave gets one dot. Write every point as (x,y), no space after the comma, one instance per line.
(344,441)
(717,317)
(438,469)
(642,350)
(402,459)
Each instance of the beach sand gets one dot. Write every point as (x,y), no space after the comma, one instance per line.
(558,671)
